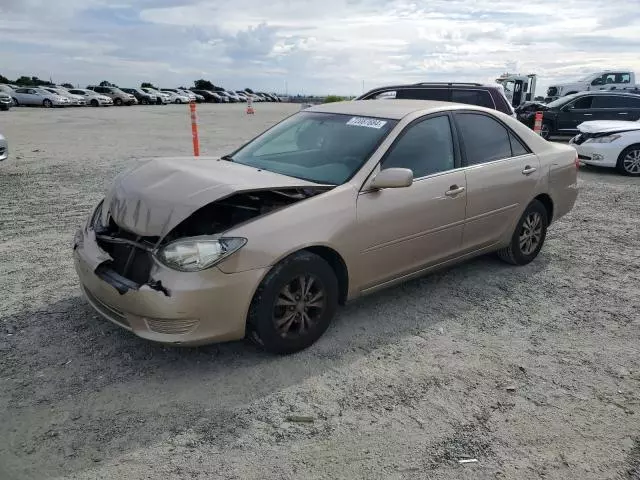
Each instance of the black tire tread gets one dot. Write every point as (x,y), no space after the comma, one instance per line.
(509,253)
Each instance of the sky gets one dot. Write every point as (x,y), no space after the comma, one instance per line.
(314,47)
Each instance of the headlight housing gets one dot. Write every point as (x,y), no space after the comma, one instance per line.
(607,139)
(198,253)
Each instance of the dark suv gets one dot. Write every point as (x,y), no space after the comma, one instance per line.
(142,97)
(562,116)
(488,96)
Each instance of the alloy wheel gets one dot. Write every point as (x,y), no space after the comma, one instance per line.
(299,305)
(631,162)
(531,233)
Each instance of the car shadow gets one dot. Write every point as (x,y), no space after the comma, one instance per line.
(74,383)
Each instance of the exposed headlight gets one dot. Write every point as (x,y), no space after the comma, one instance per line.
(607,139)
(198,253)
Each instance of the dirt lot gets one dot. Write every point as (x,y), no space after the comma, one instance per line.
(532,371)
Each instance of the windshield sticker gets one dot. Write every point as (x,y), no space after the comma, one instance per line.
(366,122)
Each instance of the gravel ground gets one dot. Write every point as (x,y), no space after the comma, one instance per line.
(533,371)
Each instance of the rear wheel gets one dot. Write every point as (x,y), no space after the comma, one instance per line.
(629,161)
(545,131)
(118,102)
(178,100)
(144,101)
(528,237)
(294,304)
(15,102)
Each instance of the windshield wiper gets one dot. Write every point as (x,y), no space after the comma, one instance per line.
(228,158)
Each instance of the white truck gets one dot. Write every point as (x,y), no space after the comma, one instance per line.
(518,88)
(604,80)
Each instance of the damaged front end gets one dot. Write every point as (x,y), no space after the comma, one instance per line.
(195,243)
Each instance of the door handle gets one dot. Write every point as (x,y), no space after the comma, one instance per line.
(528,170)
(588,114)
(454,190)
(623,113)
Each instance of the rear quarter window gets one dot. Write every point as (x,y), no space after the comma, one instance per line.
(439,94)
(481,98)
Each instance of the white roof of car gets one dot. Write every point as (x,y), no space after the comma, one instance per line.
(603,126)
(393,109)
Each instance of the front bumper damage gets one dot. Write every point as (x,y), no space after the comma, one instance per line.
(172,307)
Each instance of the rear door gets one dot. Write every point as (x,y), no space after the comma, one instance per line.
(608,107)
(574,113)
(501,173)
(400,230)
(625,107)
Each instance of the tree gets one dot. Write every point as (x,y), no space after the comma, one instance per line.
(67,85)
(204,84)
(248,90)
(104,83)
(333,98)
(148,85)
(4,79)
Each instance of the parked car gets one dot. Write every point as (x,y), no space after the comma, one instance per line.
(610,143)
(161,97)
(199,98)
(118,96)
(4,148)
(488,96)
(74,100)
(176,97)
(208,95)
(192,96)
(5,101)
(6,88)
(226,97)
(562,116)
(40,97)
(93,98)
(142,97)
(324,207)
(603,80)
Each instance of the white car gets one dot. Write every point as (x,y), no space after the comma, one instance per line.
(39,97)
(76,100)
(163,96)
(92,98)
(192,96)
(4,148)
(609,143)
(176,97)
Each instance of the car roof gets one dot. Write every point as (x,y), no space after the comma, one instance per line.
(393,109)
(605,92)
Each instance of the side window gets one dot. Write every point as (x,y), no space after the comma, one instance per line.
(610,78)
(623,78)
(425,148)
(633,102)
(517,148)
(481,98)
(440,94)
(583,103)
(485,140)
(608,101)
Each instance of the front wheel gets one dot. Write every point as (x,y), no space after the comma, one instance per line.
(178,100)
(528,237)
(118,102)
(47,103)
(545,131)
(629,161)
(15,102)
(294,304)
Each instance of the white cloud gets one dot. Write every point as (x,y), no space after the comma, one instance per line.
(323,47)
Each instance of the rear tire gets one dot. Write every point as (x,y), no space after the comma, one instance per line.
(545,132)
(629,161)
(118,102)
(294,304)
(15,102)
(528,237)
(178,100)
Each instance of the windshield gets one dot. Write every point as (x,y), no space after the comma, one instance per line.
(562,100)
(587,78)
(319,147)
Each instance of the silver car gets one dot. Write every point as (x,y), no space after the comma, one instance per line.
(40,97)
(92,98)
(76,100)
(4,148)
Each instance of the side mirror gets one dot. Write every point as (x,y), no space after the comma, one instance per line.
(393,178)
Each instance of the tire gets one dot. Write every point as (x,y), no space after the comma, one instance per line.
(282,284)
(545,132)
(178,100)
(118,102)
(629,161)
(519,253)
(15,102)
(144,101)
(46,103)
(95,103)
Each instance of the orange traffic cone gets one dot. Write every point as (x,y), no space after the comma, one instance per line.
(250,110)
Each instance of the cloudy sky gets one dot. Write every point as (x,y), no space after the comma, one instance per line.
(328,46)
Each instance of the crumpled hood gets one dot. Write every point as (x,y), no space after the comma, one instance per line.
(154,196)
(605,126)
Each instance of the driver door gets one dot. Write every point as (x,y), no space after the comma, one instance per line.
(403,230)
